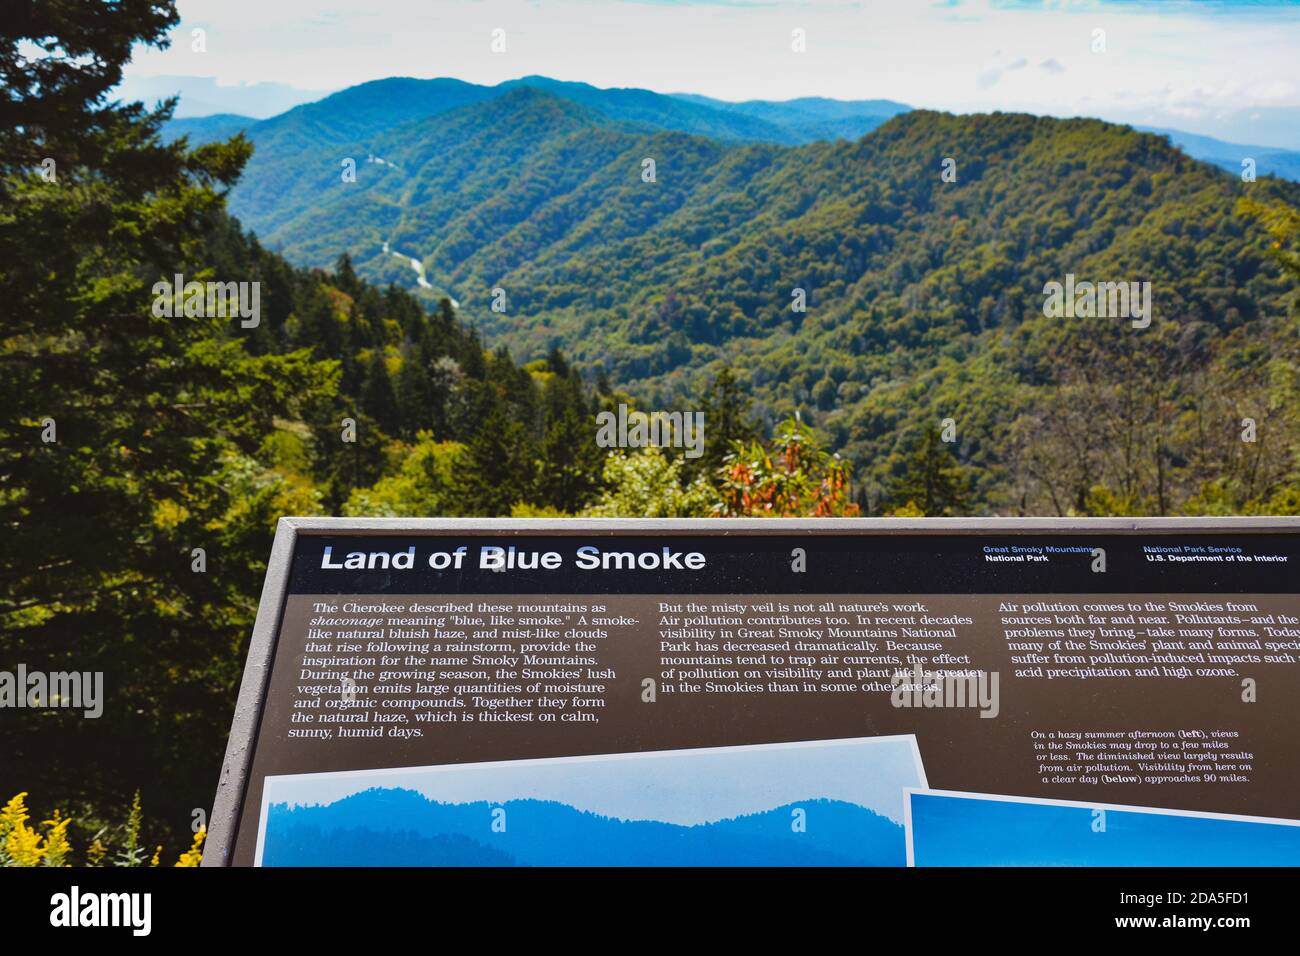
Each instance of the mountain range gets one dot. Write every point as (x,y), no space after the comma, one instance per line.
(788,122)
(386,827)
(382,104)
(918,293)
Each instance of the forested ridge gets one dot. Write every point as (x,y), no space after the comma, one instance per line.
(924,297)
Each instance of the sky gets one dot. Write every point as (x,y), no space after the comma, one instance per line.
(1226,68)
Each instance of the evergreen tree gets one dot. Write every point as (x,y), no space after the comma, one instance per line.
(556,362)
(414,394)
(344,456)
(318,326)
(378,400)
(727,420)
(932,480)
(129,435)
(570,464)
(445,319)
(497,469)
(345,276)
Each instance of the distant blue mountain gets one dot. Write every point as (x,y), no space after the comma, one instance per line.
(301,844)
(1269,160)
(371,108)
(399,827)
(356,114)
(208,129)
(809,118)
(362,111)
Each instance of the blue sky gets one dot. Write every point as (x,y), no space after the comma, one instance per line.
(1224,68)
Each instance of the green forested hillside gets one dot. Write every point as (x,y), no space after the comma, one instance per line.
(924,297)
(351,119)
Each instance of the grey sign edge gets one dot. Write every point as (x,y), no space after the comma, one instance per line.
(233,781)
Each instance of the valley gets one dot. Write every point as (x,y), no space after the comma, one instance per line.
(843,279)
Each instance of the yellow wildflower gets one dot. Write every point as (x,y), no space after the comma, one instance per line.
(194,854)
(96,852)
(57,847)
(20,845)
(23,846)
(14,814)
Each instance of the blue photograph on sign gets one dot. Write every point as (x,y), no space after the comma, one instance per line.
(956,829)
(819,803)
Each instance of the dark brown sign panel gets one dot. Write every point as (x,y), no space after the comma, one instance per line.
(859,692)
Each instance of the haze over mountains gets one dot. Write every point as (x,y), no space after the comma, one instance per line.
(793,121)
(921,294)
(386,827)
(201,96)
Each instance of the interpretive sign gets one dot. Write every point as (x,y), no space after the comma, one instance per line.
(882,692)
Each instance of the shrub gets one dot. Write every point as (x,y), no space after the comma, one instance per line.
(23,845)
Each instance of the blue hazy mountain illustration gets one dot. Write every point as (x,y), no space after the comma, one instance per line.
(389,826)
(309,845)
(965,831)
